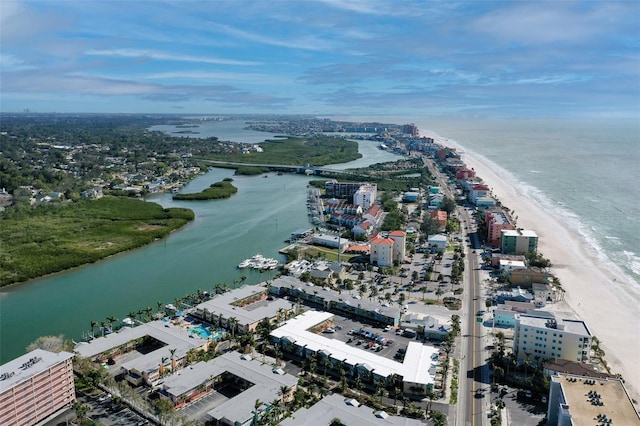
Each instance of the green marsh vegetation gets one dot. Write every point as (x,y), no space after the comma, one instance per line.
(216,191)
(314,150)
(59,236)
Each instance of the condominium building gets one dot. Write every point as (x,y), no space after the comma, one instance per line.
(518,241)
(496,221)
(381,251)
(399,245)
(35,386)
(333,188)
(366,195)
(538,338)
(581,400)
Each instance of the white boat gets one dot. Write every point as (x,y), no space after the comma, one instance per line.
(258,262)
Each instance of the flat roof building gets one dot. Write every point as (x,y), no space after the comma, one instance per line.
(417,371)
(538,339)
(248,305)
(349,411)
(257,381)
(157,338)
(332,301)
(34,386)
(518,241)
(579,400)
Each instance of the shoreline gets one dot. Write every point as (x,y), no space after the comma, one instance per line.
(610,311)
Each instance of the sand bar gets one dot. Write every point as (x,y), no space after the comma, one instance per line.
(596,292)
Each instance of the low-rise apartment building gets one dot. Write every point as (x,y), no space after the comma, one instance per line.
(242,309)
(540,338)
(518,241)
(35,386)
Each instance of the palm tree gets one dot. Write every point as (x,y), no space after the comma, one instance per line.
(161,367)
(93,325)
(111,320)
(103,326)
(255,412)
(284,390)
(274,412)
(232,322)
(174,364)
(160,305)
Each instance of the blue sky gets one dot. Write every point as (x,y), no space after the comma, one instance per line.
(358,57)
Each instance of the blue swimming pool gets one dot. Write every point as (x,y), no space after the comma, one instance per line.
(201,331)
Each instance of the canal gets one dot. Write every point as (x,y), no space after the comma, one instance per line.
(257,219)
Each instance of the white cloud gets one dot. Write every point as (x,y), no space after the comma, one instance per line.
(305,42)
(161,56)
(549,22)
(13,63)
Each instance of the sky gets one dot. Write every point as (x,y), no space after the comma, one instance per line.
(325,57)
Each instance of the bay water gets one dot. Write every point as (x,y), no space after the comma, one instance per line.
(257,219)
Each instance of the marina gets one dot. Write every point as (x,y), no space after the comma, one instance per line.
(259,262)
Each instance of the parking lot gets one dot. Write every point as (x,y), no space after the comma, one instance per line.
(389,343)
(104,411)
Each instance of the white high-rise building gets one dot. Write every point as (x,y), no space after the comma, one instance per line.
(366,195)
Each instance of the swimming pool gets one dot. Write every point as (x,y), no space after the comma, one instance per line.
(201,331)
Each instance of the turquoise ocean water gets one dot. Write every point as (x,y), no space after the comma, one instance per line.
(583,171)
(586,172)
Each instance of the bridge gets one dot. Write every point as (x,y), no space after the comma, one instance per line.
(287,168)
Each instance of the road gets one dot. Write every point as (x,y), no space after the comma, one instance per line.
(474,399)
(474,393)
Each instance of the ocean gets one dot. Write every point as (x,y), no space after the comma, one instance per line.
(582,171)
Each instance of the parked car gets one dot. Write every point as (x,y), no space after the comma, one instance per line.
(387,328)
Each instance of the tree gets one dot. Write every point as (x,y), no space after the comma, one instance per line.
(82,410)
(233,322)
(93,325)
(439,292)
(284,391)
(161,366)
(50,343)
(255,412)
(173,359)
(111,320)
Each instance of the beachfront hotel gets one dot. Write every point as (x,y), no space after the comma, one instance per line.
(538,338)
(35,386)
(518,241)
(496,221)
(581,400)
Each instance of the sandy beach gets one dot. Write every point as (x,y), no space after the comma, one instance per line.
(595,292)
